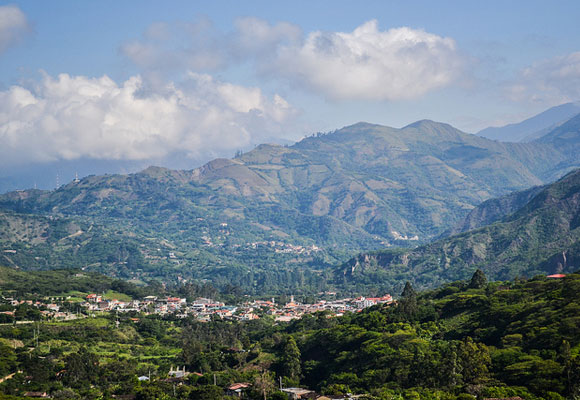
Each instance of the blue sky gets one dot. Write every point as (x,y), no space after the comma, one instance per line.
(142,80)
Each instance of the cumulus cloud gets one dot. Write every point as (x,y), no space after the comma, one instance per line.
(367,63)
(551,81)
(71,117)
(401,63)
(13,26)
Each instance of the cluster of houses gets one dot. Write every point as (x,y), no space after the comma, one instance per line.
(48,309)
(295,310)
(203,309)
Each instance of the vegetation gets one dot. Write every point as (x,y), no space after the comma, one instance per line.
(500,339)
(63,283)
(252,221)
(542,237)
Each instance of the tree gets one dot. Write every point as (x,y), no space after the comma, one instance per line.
(474,360)
(572,373)
(7,360)
(263,384)
(290,360)
(478,280)
(408,301)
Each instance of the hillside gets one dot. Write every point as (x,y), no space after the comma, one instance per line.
(493,210)
(542,237)
(35,242)
(254,220)
(496,340)
(35,284)
(464,340)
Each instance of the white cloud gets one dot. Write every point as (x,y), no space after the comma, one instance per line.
(367,64)
(71,117)
(13,26)
(401,63)
(552,81)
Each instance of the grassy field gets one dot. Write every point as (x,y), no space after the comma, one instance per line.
(112,295)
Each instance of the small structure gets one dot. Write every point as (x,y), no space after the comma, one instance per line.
(237,389)
(556,276)
(298,393)
(177,373)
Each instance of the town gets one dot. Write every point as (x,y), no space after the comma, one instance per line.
(202,309)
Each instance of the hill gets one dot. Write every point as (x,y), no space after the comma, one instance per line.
(534,127)
(29,284)
(542,237)
(495,340)
(279,216)
(464,340)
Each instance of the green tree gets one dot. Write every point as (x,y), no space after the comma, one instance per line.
(206,392)
(572,373)
(7,360)
(478,280)
(474,360)
(290,359)
(408,302)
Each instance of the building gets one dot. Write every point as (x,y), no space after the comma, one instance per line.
(298,393)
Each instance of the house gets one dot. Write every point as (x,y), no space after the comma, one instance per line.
(237,389)
(557,276)
(248,317)
(298,393)
(94,298)
(177,373)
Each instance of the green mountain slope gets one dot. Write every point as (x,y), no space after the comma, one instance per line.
(307,206)
(541,237)
(496,340)
(36,242)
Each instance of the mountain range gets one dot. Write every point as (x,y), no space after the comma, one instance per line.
(534,127)
(256,219)
(541,237)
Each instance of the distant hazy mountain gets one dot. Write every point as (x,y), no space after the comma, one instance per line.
(542,237)
(534,127)
(279,208)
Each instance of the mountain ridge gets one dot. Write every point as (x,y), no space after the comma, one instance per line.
(533,127)
(541,237)
(361,187)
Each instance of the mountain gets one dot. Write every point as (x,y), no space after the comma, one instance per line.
(279,216)
(493,210)
(534,127)
(542,237)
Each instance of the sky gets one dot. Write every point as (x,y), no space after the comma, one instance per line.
(155,82)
